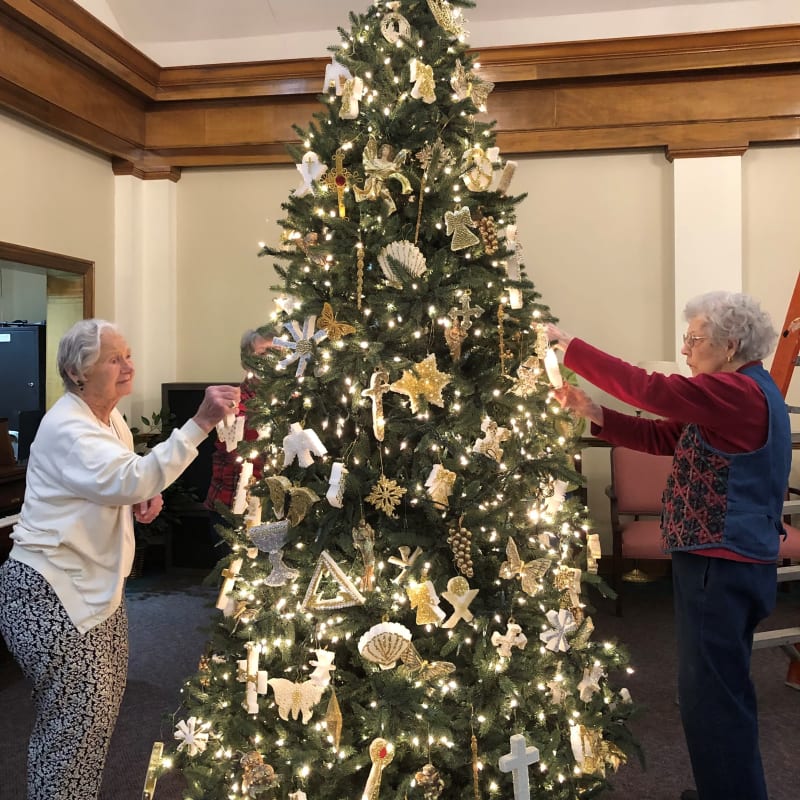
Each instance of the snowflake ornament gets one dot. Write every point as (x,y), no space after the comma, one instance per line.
(386,495)
(302,344)
(191,736)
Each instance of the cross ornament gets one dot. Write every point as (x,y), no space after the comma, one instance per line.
(378,386)
(517,763)
(465,313)
(338,180)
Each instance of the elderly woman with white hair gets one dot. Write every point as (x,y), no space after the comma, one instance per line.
(728,431)
(62,610)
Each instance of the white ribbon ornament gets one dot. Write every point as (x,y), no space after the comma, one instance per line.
(562,623)
(552,368)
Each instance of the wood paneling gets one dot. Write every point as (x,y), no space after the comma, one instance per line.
(688,94)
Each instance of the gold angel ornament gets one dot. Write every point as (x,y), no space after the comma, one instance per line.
(380,166)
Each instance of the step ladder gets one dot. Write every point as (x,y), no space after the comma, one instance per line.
(783,365)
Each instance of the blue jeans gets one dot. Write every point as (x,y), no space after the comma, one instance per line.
(718,604)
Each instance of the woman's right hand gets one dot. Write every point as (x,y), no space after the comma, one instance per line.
(218,402)
(578,402)
(559,339)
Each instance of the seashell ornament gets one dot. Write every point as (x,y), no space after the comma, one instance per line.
(384,643)
(408,255)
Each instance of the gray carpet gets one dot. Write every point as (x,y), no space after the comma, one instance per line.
(167,613)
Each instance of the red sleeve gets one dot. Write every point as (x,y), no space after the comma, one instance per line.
(657,436)
(729,408)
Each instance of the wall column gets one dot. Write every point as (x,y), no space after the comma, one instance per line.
(708,230)
(146,284)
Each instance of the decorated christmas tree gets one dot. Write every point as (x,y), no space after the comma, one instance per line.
(403,612)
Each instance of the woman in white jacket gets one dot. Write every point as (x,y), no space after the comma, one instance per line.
(62,610)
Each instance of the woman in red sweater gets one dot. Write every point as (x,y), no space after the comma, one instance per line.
(728,431)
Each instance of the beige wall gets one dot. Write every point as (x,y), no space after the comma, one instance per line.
(223,215)
(58,197)
(597,232)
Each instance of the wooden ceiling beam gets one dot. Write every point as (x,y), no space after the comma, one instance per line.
(688,94)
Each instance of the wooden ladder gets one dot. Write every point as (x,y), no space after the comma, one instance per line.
(783,365)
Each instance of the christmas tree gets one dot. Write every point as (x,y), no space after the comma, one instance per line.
(402,609)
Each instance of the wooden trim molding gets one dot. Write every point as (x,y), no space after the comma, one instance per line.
(43,258)
(689,95)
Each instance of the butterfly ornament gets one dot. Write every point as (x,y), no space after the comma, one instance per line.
(296,698)
(529,572)
(335,329)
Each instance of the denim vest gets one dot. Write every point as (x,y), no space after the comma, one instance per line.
(730,500)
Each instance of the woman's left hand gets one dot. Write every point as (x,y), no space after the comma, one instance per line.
(148,510)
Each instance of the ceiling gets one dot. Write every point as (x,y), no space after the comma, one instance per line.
(191,20)
(213,31)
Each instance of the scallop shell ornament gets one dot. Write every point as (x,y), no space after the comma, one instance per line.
(407,254)
(384,643)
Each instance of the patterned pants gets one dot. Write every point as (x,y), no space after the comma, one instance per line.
(78,681)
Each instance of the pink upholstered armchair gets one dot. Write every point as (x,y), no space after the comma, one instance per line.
(637,485)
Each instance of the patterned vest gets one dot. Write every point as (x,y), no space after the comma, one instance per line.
(730,500)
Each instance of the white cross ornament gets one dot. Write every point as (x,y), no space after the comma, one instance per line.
(513,637)
(517,763)
(378,386)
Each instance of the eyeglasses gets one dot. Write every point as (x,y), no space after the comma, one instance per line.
(690,340)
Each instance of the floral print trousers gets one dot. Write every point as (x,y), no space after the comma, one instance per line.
(78,681)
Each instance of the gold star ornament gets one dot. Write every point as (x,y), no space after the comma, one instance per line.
(424,380)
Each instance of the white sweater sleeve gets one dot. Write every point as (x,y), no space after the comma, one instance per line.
(101,469)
